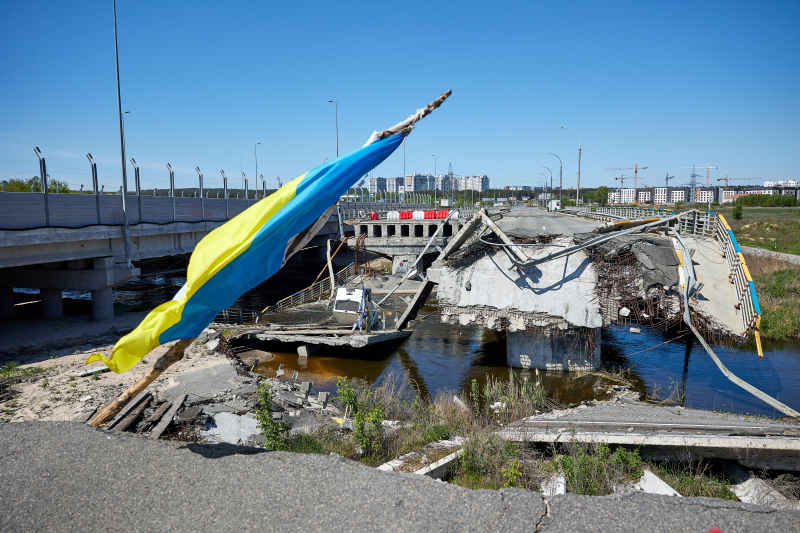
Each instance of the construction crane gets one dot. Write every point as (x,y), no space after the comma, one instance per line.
(666,180)
(707,167)
(726,179)
(636,169)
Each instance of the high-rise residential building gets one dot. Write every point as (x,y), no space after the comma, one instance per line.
(377,185)
(392,183)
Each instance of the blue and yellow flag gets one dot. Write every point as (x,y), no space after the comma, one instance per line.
(244,252)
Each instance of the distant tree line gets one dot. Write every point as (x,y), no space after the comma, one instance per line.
(766,200)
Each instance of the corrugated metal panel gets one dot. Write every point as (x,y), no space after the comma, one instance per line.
(188,209)
(157,209)
(215,209)
(72,210)
(111,209)
(21,210)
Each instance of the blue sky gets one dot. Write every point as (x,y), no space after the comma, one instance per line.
(664,85)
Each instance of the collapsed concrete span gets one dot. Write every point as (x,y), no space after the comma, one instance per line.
(552,304)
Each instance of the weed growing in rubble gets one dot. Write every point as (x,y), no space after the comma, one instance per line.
(11,370)
(274,431)
(592,469)
(364,406)
(693,479)
(506,400)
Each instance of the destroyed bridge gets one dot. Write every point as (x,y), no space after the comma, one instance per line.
(551,280)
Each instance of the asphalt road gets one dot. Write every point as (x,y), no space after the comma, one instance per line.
(531,221)
(62,476)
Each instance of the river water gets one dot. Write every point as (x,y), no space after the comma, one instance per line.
(440,357)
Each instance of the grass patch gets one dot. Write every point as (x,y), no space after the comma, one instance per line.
(592,469)
(11,371)
(778,288)
(770,228)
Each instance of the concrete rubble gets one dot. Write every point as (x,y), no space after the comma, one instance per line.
(216,391)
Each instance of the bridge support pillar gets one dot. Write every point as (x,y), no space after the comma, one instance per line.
(544,350)
(6,301)
(102,304)
(52,305)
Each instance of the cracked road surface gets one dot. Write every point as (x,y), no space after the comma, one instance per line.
(59,476)
(532,222)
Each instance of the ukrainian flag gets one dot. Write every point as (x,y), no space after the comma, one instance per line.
(245,251)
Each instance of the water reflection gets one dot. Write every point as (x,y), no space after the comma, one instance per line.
(440,357)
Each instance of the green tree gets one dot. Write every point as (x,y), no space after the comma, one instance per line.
(23,185)
(601,195)
(738,212)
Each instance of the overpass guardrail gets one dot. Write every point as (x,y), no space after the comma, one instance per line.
(26,210)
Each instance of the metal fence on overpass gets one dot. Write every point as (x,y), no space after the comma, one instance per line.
(24,210)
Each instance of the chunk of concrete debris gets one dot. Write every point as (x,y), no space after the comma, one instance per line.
(461,405)
(91,371)
(87,398)
(624,311)
(231,428)
(323,399)
(212,345)
(189,414)
(635,330)
(652,484)
(555,486)
(305,388)
(207,335)
(758,491)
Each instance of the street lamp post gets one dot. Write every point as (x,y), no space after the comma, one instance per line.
(560,168)
(434,179)
(125,227)
(578,192)
(256,154)
(544,185)
(551,180)
(337,125)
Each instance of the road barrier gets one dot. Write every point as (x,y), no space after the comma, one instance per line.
(739,274)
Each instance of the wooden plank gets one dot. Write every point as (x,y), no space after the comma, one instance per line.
(167,418)
(159,412)
(131,418)
(125,410)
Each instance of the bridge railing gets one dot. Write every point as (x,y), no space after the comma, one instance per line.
(739,273)
(24,210)
(634,212)
(316,291)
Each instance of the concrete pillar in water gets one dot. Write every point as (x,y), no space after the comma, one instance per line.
(102,304)
(52,306)
(401,264)
(6,300)
(545,351)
